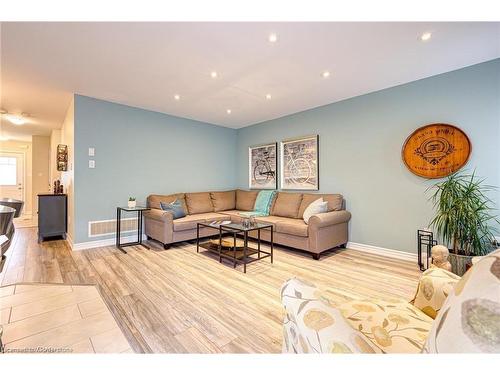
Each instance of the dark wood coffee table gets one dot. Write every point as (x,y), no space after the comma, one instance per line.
(238,255)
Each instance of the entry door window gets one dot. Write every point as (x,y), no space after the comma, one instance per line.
(8,170)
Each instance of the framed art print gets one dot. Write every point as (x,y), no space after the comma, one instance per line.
(299,164)
(262,163)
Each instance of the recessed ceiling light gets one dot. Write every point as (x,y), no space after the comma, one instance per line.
(273,37)
(177,97)
(213,74)
(16,120)
(325,74)
(268,96)
(425,36)
(228,111)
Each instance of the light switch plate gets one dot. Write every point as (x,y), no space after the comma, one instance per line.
(91,163)
(91,151)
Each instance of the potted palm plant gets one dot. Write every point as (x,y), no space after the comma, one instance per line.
(464,218)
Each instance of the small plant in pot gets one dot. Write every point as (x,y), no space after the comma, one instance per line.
(464,218)
(131,202)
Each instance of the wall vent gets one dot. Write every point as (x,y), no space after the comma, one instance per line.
(107,227)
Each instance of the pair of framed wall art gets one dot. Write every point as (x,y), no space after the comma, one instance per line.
(298,164)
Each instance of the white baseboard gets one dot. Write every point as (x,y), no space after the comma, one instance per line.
(70,240)
(102,243)
(390,253)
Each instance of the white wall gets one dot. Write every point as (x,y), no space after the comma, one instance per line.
(360,148)
(40,167)
(55,139)
(67,178)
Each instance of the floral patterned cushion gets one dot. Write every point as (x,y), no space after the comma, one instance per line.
(311,325)
(434,287)
(469,321)
(395,326)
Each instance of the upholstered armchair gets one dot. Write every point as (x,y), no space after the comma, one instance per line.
(448,314)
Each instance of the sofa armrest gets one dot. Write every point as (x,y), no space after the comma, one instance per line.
(313,326)
(159,215)
(433,289)
(329,218)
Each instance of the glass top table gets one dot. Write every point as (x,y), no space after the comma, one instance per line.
(139,209)
(136,208)
(239,250)
(238,226)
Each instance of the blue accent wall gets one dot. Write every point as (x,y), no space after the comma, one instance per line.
(140,152)
(361,140)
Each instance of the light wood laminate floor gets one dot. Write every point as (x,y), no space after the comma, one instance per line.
(177,300)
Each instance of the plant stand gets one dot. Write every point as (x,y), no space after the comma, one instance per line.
(425,241)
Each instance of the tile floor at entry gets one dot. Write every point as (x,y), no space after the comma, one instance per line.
(64,318)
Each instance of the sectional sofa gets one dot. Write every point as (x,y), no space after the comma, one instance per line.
(324,231)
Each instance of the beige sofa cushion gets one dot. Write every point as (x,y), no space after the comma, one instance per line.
(191,221)
(155,199)
(245,200)
(223,200)
(287,205)
(295,227)
(235,215)
(334,201)
(198,203)
(270,220)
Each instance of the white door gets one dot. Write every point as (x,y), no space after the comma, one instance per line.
(12,175)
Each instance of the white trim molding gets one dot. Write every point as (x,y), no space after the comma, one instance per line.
(69,239)
(382,251)
(103,243)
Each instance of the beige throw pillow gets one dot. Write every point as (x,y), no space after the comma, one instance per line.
(433,288)
(316,207)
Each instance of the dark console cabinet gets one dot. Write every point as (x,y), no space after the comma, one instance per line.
(52,215)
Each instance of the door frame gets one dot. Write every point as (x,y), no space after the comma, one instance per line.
(23,154)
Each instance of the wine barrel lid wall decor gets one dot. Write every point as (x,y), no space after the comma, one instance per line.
(436,150)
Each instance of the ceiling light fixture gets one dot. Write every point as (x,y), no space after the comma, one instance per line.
(213,74)
(228,111)
(177,97)
(425,36)
(268,96)
(273,38)
(326,74)
(16,120)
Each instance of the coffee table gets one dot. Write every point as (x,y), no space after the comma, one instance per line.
(238,255)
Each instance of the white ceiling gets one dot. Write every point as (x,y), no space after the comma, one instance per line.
(146,64)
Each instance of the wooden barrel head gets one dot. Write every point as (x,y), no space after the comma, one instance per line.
(436,150)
